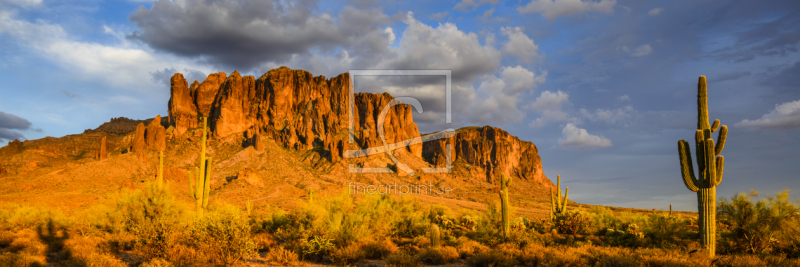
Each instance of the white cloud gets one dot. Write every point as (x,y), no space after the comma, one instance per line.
(549,101)
(642,51)
(465,4)
(552,9)
(520,79)
(577,138)
(784,116)
(519,44)
(618,116)
(121,66)
(438,16)
(624,98)
(548,104)
(654,11)
(22,3)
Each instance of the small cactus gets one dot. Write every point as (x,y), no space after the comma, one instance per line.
(160,177)
(505,207)
(557,205)
(249,206)
(670,210)
(434,235)
(202,184)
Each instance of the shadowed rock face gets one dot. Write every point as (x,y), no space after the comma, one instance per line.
(493,149)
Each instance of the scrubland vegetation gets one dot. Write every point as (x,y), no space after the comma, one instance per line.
(149,227)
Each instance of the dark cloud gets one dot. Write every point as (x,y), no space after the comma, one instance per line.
(164,76)
(69,94)
(246,34)
(11,121)
(728,76)
(787,79)
(765,37)
(8,135)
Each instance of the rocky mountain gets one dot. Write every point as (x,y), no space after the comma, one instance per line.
(274,139)
(494,150)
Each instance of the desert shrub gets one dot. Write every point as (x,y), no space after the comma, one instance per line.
(282,256)
(403,259)
(88,251)
(493,258)
(489,227)
(572,223)
(157,262)
(603,218)
(27,242)
(317,247)
(6,237)
(263,241)
(9,259)
(757,227)
(379,249)
(611,257)
(469,248)
(224,234)
(439,255)
(665,231)
(629,236)
(151,215)
(348,255)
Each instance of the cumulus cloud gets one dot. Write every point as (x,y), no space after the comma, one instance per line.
(552,9)
(520,79)
(519,44)
(624,98)
(466,4)
(610,116)
(438,16)
(548,104)
(9,123)
(654,11)
(577,138)
(642,51)
(784,116)
(245,34)
(122,65)
(165,75)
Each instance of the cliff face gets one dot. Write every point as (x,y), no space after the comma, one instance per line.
(291,106)
(492,149)
(301,112)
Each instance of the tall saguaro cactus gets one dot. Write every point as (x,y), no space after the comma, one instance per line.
(202,177)
(709,163)
(557,205)
(505,207)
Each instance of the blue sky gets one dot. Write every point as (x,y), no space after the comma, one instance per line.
(603,88)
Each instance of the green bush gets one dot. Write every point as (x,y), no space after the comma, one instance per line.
(224,233)
(755,227)
(572,223)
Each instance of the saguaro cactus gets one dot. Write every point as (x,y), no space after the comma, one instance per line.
(709,163)
(558,205)
(434,235)
(202,184)
(505,207)
(160,176)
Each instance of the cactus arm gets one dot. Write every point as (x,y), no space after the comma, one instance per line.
(687,170)
(715,126)
(207,183)
(198,184)
(721,138)
(720,167)
(552,205)
(203,153)
(566,194)
(711,170)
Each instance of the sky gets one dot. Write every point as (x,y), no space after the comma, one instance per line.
(605,89)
